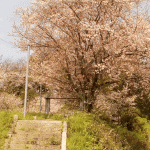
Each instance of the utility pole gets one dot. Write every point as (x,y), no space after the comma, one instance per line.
(26,86)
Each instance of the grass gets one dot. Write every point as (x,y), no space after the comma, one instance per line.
(5,124)
(28,129)
(23,129)
(85,131)
(30,116)
(88,132)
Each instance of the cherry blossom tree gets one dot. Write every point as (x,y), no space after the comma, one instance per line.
(80,47)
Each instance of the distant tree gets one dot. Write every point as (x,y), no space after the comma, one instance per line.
(80,46)
(13,79)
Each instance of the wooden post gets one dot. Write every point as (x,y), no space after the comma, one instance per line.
(40,97)
(47,103)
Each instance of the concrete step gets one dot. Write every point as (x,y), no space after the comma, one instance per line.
(33,147)
(36,135)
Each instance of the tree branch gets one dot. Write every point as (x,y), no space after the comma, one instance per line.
(73,11)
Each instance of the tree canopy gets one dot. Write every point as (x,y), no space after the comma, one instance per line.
(80,47)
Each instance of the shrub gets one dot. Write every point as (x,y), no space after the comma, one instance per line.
(143,104)
(132,131)
(135,139)
(129,119)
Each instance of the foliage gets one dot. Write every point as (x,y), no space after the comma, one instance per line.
(30,116)
(132,129)
(13,81)
(129,119)
(101,114)
(87,133)
(128,92)
(143,103)
(121,82)
(136,140)
(15,86)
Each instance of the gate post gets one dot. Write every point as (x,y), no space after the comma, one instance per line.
(47,103)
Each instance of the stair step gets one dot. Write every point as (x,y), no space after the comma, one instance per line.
(36,135)
(33,147)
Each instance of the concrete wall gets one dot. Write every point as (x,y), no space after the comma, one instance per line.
(55,105)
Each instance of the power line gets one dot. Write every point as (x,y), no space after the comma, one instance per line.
(6,41)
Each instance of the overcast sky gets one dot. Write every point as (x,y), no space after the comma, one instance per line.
(7,18)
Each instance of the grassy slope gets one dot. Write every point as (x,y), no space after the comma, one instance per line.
(5,124)
(86,131)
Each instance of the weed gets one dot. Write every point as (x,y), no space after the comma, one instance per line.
(33,142)
(27,147)
(31,129)
(53,141)
(61,127)
(8,146)
(28,129)
(23,129)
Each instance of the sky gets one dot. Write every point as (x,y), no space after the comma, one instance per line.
(7,19)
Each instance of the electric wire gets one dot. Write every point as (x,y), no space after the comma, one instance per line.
(7,42)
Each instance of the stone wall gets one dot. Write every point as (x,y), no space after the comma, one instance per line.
(55,105)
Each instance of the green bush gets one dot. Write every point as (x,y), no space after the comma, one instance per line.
(135,139)
(143,104)
(133,129)
(129,119)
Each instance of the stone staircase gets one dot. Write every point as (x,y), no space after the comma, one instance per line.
(35,135)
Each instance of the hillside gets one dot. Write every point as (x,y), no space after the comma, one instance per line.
(86,131)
